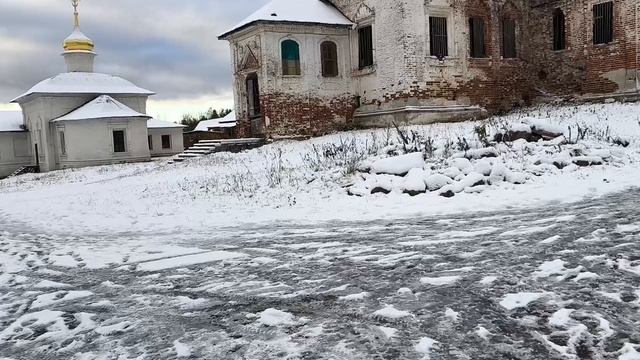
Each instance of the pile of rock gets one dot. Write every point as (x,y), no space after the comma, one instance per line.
(531,130)
(519,154)
(470,172)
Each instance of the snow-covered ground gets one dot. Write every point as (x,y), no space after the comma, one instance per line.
(265,255)
(558,282)
(305,182)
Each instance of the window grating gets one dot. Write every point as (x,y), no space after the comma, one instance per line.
(476,29)
(603,23)
(559,31)
(509,39)
(365,44)
(329,56)
(438,37)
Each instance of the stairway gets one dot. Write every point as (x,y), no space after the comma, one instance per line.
(24,170)
(206,147)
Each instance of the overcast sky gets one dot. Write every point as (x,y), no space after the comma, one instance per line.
(168,46)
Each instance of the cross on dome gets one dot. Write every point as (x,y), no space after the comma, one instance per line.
(77,41)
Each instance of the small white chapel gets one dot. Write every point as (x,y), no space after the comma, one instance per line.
(82,118)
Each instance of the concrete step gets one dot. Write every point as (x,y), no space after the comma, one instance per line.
(202,147)
(207,147)
(189,156)
(241,141)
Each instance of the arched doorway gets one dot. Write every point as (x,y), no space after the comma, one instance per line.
(253,104)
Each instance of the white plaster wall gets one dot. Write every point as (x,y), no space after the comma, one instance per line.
(177,141)
(265,42)
(90,142)
(14,152)
(79,61)
(402,51)
(311,80)
(40,110)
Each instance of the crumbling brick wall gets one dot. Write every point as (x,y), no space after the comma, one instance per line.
(583,67)
(285,114)
(493,82)
(405,73)
(418,78)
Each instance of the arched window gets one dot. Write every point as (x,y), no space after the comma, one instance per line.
(290,58)
(329,56)
(559,31)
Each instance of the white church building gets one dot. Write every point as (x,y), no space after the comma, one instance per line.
(82,118)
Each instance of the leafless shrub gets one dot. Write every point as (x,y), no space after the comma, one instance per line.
(482,133)
(347,154)
(275,167)
(463,144)
(447,149)
(581,133)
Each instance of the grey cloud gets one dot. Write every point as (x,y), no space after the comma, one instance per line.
(166,46)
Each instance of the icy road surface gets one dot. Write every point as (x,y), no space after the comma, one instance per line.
(561,282)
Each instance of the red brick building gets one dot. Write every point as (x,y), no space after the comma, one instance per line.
(308,67)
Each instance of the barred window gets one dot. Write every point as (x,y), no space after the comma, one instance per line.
(290,58)
(603,23)
(329,57)
(365,46)
(509,38)
(559,31)
(476,31)
(438,37)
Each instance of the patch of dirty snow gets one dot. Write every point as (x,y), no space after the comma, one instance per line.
(521,300)
(188,260)
(354,297)
(425,346)
(440,281)
(388,332)
(390,312)
(182,350)
(274,317)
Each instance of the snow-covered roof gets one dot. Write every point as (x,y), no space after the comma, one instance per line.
(11,121)
(77,35)
(159,124)
(84,83)
(294,11)
(229,121)
(103,107)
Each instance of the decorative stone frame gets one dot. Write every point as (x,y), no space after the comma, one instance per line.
(448,13)
(511,11)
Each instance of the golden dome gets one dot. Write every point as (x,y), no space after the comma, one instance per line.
(77,41)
